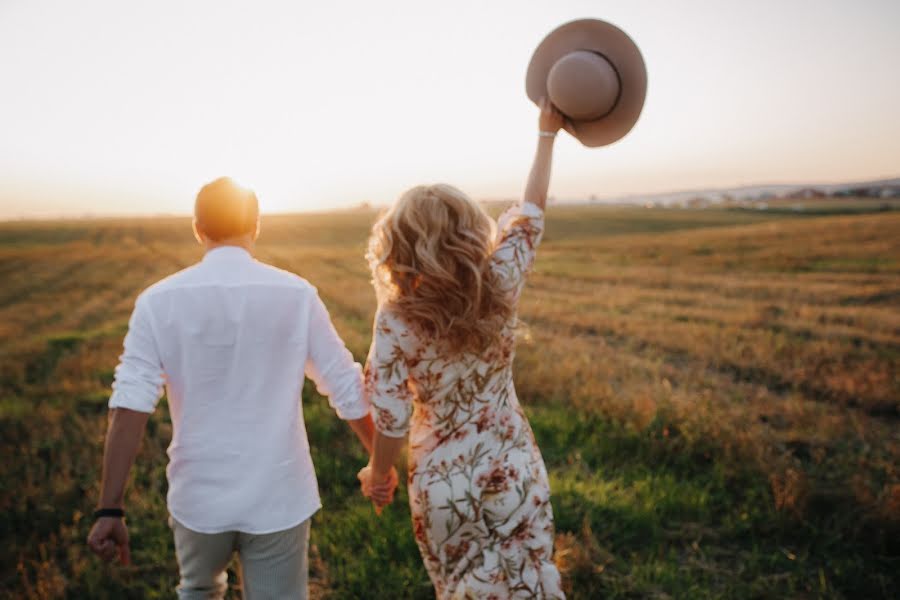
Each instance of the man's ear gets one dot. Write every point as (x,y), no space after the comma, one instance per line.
(198,235)
(256,231)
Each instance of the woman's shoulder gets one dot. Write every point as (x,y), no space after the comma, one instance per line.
(389,321)
(393,329)
(388,313)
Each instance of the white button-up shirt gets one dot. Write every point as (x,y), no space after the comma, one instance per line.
(231,339)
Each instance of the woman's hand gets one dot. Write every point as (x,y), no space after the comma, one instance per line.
(380,490)
(551,120)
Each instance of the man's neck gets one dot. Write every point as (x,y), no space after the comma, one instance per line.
(244,244)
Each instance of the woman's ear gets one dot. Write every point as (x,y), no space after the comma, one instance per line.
(256,231)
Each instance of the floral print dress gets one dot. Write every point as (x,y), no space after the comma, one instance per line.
(478,487)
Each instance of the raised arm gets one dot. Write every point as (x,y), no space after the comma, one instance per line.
(521,226)
(549,123)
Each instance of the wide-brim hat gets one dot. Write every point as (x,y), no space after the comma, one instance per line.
(594,74)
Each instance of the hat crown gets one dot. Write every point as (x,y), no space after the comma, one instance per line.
(583,85)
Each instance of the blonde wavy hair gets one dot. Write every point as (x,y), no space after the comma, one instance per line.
(429,255)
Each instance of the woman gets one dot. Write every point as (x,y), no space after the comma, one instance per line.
(440,367)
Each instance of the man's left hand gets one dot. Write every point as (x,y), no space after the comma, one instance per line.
(109,538)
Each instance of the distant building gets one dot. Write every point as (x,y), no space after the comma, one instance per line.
(698,202)
(863,192)
(806,194)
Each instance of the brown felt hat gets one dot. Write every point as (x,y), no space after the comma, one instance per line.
(595,75)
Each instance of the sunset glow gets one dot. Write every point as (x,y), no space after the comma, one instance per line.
(126,108)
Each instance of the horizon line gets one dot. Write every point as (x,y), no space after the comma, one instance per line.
(366,205)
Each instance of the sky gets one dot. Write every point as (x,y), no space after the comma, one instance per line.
(121,107)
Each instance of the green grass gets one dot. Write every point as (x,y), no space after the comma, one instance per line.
(663,520)
(657,516)
(712,393)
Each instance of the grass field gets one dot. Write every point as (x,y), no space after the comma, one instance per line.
(716,395)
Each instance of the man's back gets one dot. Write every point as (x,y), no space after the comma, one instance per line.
(233,339)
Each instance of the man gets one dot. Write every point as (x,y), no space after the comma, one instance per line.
(231,339)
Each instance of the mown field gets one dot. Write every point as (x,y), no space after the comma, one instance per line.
(716,394)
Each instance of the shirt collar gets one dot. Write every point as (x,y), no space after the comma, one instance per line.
(226,253)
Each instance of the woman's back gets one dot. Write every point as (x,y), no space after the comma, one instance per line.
(478,488)
(416,383)
(456,398)
(440,368)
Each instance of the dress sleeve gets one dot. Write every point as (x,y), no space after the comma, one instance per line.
(387,378)
(519,231)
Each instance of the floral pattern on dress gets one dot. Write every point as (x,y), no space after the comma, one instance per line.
(478,488)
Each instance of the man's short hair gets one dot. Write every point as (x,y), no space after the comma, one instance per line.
(226,210)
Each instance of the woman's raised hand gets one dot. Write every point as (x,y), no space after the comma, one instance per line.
(551,120)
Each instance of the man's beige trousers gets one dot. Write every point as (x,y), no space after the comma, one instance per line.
(273,565)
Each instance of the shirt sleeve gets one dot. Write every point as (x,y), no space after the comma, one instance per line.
(519,231)
(387,379)
(139,376)
(331,366)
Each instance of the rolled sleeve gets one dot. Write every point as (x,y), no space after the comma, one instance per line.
(139,377)
(332,368)
(387,380)
(519,230)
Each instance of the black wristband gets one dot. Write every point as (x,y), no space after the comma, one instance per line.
(109,512)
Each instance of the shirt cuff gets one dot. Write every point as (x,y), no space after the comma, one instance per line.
(353,412)
(120,399)
(351,408)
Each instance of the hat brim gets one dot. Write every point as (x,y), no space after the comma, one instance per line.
(624,55)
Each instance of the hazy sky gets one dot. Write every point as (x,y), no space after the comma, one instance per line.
(129,107)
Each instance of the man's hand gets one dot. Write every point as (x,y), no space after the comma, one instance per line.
(109,538)
(381,493)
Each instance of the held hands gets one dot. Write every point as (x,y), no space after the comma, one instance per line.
(109,538)
(379,490)
(550,120)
